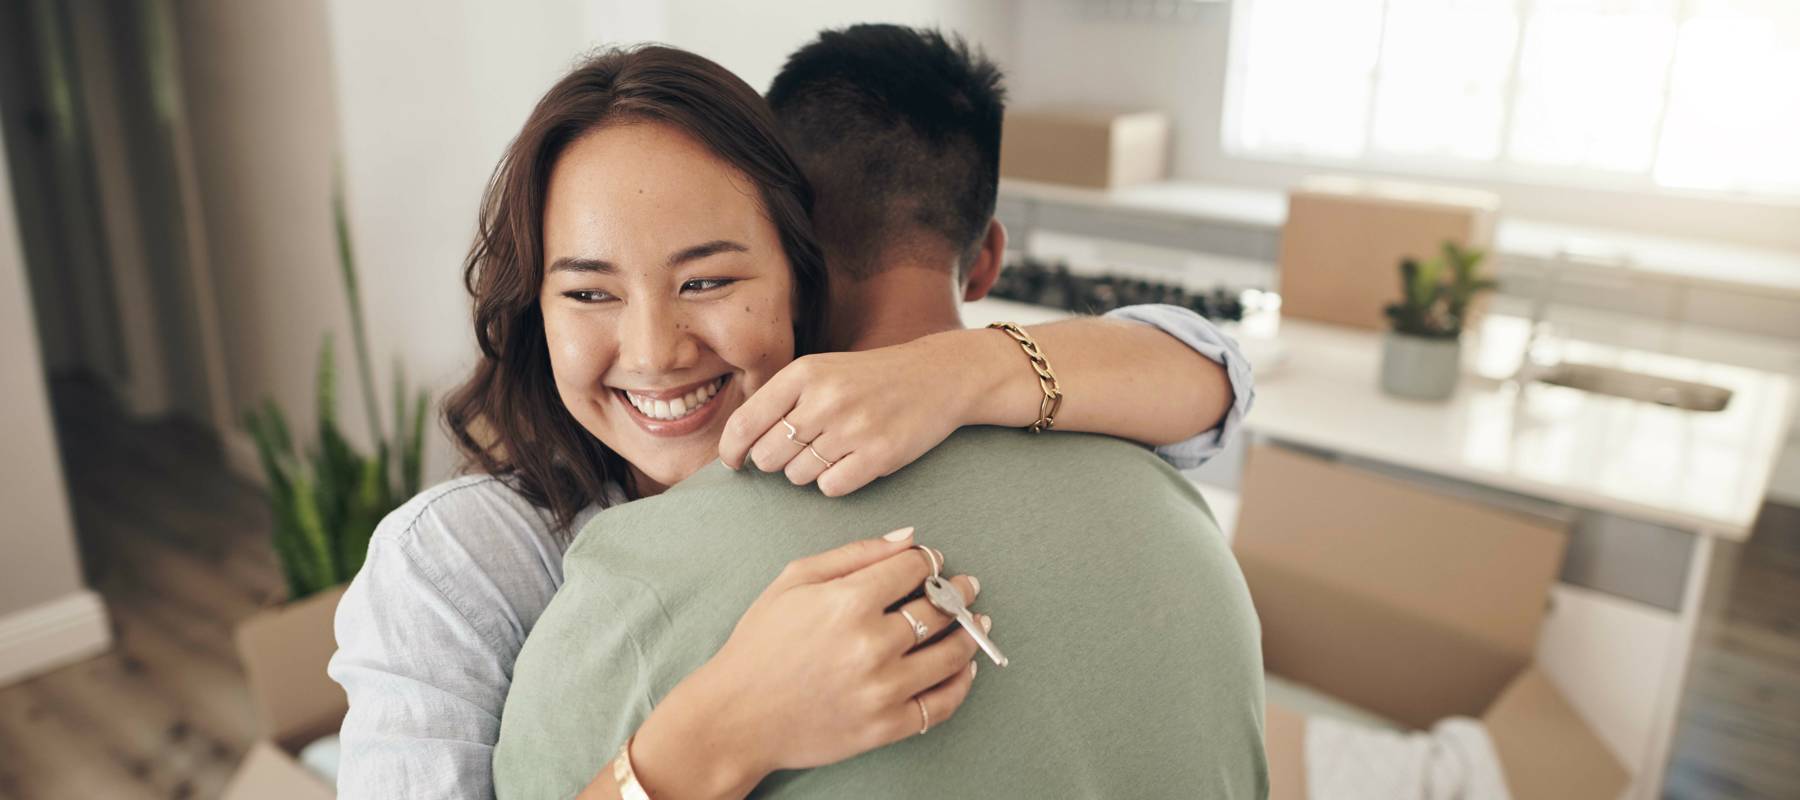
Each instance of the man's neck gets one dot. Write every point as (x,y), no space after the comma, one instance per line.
(897,305)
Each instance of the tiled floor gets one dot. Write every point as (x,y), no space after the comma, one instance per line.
(178,547)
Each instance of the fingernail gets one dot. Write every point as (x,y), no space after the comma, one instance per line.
(973,667)
(987,623)
(900,535)
(975,583)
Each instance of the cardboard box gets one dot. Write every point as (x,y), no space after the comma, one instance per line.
(285,652)
(1093,148)
(1344,238)
(1414,606)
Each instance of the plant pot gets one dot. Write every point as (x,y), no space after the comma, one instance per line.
(1420,368)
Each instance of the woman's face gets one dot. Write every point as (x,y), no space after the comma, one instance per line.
(667,297)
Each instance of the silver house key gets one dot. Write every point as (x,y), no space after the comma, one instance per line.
(945,596)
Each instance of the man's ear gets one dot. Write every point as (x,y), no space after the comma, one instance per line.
(988,261)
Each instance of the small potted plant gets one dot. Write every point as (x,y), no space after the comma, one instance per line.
(1421,357)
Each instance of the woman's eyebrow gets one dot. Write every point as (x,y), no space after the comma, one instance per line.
(711,248)
(695,253)
(574,264)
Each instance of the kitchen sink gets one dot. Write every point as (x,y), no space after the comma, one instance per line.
(1686,395)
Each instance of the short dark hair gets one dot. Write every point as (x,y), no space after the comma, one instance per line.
(899,130)
(507,418)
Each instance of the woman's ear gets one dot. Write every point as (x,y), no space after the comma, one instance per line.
(988,261)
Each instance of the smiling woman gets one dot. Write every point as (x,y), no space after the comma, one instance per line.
(636,197)
(666,282)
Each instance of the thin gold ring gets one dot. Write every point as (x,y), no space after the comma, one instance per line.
(794,433)
(918,628)
(823,460)
(924,717)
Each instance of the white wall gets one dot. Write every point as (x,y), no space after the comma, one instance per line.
(753,41)
(1063,55)
(37,535)
(256,80)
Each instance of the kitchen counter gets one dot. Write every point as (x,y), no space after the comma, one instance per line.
(1698,471)
(1702,472)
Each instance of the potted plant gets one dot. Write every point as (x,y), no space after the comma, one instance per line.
(1421,356)
(326,496)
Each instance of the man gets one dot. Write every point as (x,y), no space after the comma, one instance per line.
(1135,657)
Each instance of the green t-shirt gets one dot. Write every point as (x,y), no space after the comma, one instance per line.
(1136,660)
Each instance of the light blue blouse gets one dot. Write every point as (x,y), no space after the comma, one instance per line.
(456,577)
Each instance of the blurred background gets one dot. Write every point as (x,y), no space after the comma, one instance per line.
(173,262)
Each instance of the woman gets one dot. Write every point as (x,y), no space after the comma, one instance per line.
(646,241)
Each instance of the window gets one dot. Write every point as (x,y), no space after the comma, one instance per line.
(1679,94)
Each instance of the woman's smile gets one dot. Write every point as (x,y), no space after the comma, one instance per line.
(675,412)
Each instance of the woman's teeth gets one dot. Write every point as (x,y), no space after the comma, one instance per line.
(679,407)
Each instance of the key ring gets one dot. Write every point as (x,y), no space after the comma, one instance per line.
(930,556)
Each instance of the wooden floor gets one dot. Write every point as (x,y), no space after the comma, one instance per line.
(179,550)
(178,547)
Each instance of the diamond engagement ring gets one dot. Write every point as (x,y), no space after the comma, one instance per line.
(919,629)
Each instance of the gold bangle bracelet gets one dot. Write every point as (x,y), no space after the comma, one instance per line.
(1046,376)
(626,777)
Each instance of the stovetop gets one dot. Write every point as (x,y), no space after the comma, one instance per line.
(1031,280)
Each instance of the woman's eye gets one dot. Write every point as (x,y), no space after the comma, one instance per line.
(588,296)
(706,284)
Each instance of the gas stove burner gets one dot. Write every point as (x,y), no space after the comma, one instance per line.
(1033,281)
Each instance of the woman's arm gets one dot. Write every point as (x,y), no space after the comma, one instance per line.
(1159,375)
(427,634)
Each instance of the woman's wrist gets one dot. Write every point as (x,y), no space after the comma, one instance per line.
(1005,389)
(691,747)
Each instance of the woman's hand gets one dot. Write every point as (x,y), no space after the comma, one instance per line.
(816,671)
(867,413)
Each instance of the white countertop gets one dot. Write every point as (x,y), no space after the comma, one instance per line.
(1704,472)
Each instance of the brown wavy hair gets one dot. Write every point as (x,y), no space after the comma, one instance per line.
(508,418)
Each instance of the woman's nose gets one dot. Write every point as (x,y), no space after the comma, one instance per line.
(656,338)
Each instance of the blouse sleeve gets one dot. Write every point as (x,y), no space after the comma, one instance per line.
(427,635)
(1201,334)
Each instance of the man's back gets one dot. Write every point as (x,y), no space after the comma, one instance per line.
(1136,660)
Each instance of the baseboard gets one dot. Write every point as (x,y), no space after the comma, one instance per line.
(241,456)
(50,635)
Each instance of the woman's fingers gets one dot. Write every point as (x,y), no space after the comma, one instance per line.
(760,414)
(806,465)
(935,621)
(852,472)
(941,703)
(848,559)
(774,450)
(886,582)
(936,662)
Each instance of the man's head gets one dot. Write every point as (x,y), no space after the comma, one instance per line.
(899,131)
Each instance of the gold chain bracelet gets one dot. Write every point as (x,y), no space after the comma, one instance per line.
(1046,376)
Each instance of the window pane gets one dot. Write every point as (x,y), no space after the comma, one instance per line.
(1591,83)
(1306,76)
(1444,69)
(1734,100)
